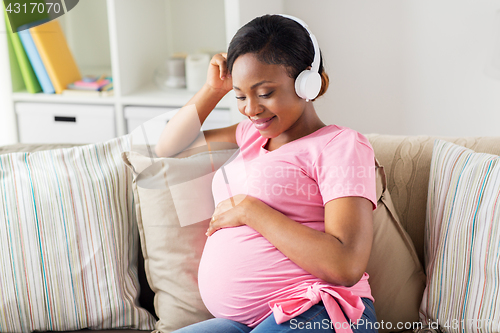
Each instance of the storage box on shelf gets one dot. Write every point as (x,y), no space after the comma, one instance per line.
(65,123)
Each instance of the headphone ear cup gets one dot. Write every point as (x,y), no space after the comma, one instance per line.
(308,84)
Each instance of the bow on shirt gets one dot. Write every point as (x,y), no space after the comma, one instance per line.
(288,308)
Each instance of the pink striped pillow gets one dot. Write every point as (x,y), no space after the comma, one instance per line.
(68,241)
(462,241)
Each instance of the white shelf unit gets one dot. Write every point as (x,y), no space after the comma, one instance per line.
(129,39)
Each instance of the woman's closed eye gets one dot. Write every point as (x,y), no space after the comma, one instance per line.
(266,95)
(242,98)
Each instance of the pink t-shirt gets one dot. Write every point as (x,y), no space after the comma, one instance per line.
(242,276)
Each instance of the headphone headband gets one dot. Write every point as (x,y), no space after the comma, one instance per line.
(316,60)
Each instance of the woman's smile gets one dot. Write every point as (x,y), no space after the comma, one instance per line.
(262,123)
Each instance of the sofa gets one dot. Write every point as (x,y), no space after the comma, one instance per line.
(406,162)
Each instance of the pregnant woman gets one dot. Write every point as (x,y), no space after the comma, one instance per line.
(290,238)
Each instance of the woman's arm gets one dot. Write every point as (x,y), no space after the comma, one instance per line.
(183,130)
(339,255)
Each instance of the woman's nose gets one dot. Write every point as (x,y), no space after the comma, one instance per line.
(252,107)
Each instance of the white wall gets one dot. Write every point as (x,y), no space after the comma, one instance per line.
(192,25)
(408,67)
(248,10)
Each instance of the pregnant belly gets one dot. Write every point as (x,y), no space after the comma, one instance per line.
(240,271)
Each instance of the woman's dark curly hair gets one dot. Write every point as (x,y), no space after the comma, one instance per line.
(277,40)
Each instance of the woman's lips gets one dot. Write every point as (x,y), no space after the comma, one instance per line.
(264,123)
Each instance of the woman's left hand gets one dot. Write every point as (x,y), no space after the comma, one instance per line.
(231,212)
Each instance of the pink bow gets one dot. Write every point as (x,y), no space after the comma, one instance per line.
(288,308)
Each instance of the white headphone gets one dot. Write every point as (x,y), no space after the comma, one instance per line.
(308,83)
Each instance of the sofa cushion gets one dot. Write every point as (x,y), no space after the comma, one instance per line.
(68,246)
(397,278)
(146,296)
(407,160)
(174,205)
(462,253)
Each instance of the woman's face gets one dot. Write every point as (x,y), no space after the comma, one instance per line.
(266,95)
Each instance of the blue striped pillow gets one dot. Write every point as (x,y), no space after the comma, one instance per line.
(462,249)
(68,241)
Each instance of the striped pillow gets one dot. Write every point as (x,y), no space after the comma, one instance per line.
(68,241)
(462,241)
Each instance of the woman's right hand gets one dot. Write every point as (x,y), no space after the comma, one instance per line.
(218,76)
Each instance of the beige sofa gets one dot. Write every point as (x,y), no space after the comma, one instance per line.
(406,161)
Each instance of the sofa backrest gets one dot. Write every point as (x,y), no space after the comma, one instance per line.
(406,161)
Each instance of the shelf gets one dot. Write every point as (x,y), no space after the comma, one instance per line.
(55,98)
(147,96)
(151,95)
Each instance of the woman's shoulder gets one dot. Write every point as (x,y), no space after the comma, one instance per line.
(335,135)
